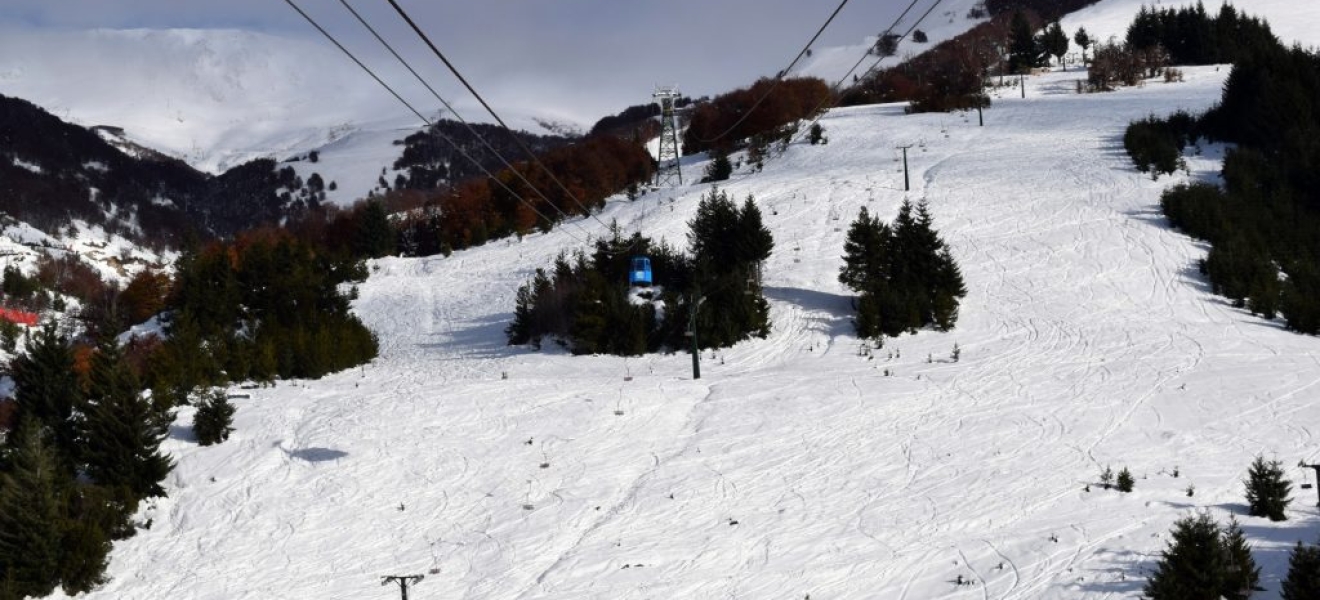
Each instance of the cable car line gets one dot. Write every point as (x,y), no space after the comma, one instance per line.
(887,31)
(451,110)
(904,36)
(780,76)
(428,122)
(839,84)
(457,116)
(526,149)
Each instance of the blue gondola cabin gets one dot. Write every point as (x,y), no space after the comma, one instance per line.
(640,273)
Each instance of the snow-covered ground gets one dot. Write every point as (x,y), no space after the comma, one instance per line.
(795,465)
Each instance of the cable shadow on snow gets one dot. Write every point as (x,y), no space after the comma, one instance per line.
(313,455)
(837,319)
(183,433)
(482,338)
(1124,573)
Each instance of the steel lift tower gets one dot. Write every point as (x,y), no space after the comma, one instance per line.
(667,173)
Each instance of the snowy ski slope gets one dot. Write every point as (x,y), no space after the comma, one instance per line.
(794,466)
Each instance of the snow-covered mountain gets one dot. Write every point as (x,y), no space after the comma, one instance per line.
(798,465)
(215,98)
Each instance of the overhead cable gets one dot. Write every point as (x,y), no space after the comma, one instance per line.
(428,122)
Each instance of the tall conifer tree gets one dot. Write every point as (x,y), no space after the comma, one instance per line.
(31,505)
(1303,580)
(121,434)
(47,389)
(1192,567)
(1241,575)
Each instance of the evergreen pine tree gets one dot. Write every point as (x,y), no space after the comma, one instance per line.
(1303,580)
(1267,490)
(47,389)
(590,325)
(1024,50)
(121,435)
(816,134)
(1241,575)
(214,417)
(1192,567)
(719,168)
(1083,40)
(520,330)
(31,504)
(374,237)
(754,242)
(93,518)
(866,253)
(949,288)
(1054,41)
(713,230)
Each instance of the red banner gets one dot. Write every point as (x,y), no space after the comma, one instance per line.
(19,317)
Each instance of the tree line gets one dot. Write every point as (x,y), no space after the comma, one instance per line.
(1192,36)
(951,75)
(586,303)
(1264,223)
(580,178)
(85,448)
(1159,37)
(262,307)
(431,160)
(84,455)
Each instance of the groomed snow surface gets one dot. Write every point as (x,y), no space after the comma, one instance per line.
(794,466)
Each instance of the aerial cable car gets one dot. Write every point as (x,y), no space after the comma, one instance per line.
(640,273)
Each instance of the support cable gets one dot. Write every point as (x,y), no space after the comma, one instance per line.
(451,110)
(452,69)
(428,122)
(780,76)
(839,84)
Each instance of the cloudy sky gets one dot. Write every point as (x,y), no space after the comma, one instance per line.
(582,58)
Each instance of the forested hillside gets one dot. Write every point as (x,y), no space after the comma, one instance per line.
(52,172)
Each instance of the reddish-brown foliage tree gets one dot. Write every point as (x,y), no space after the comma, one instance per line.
(144,296)
(720,124)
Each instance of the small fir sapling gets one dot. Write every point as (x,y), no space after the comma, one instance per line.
(1125,481)
(1267,490)
(215,415)
(1107,478)
(817,135)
